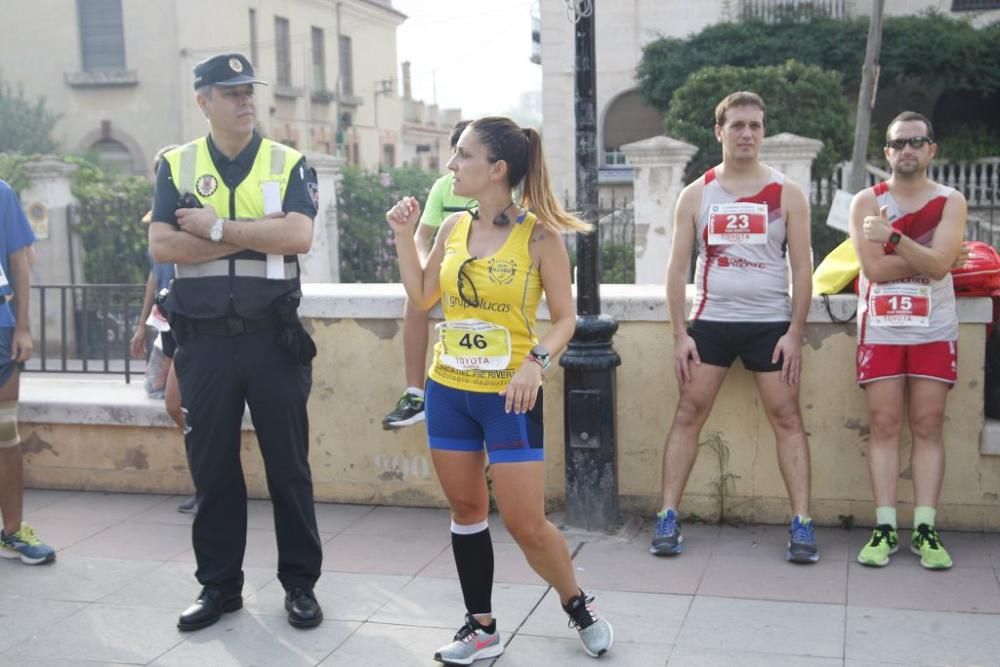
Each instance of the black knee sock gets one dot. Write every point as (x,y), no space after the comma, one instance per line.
(474,561)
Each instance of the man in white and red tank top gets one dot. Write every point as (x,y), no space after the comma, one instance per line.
(745,218)
(907,232)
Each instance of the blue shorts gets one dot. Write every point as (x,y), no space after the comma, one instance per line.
(462,421)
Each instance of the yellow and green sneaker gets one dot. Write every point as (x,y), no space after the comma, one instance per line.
(928,546)
(883,543)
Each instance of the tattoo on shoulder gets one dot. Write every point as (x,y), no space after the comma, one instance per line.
(538,236)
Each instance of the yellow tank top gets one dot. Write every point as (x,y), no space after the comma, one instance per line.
(486,334)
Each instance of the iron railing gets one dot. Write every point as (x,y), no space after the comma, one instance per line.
(776,11)
(85,329)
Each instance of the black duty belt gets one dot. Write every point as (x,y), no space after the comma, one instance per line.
(229,326)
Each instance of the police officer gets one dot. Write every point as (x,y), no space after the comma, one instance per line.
(232,211)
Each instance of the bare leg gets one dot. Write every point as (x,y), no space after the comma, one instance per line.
(927,404)
(11,468)
(520,493)
(681,448)
(781,403)
(885,418)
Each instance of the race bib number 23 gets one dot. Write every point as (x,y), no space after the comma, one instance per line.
(738,222)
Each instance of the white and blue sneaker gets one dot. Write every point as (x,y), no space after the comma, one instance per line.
(24,544)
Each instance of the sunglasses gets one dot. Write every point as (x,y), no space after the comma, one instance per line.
(464,279)
(915,142)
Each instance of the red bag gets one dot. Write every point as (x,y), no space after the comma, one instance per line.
(981,274)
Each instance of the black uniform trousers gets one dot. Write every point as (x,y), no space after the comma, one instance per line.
(217,373)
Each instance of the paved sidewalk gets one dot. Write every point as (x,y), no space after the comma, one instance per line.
(125,570)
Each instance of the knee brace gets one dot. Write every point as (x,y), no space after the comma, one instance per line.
(9,437)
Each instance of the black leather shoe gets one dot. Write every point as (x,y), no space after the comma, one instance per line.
(210,606)
(303,609)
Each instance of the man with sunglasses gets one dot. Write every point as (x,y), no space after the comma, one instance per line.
(907,232)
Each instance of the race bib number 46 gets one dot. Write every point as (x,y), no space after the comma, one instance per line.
(739,222)
(900,304)
(474,345)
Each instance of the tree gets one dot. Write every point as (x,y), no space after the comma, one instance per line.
(25,125)
(801,99)
(922,57)
(366,243)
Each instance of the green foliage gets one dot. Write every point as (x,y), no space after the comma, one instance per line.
(617,262)
(968,143)
(801,99)
(367,253)
(111,207)
(12,170)
(925,51)
(25,125)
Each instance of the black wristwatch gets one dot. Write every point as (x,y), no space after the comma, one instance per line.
(540,356)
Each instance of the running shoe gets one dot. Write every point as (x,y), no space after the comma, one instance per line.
(595,631)
(409,410)
(802,542)
(884,543)
(189,506)
(926,544)
(668,540)
(473,641)
(24,544)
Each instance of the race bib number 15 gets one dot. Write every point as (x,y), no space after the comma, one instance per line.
(900,304)
(739,222)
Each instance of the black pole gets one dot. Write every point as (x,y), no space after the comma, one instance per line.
(590,360)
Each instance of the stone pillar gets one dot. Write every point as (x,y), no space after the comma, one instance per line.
(59,254)
(322,264)
(659,164)
(793,155)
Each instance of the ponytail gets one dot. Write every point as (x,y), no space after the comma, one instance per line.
(537,195)
(522,150)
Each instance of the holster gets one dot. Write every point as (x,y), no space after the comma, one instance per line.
(292,336)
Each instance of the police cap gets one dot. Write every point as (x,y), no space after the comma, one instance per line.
(225,69)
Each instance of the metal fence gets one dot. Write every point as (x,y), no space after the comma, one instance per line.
(616,230)
(85,328)
(774,11)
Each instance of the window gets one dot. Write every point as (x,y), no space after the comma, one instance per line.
(346,65)
(388,155)
(102,41)
(283,52)
(114,156)
(253,38)
(973,5)
(318,61)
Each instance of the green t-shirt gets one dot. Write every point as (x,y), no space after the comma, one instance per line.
(442,202)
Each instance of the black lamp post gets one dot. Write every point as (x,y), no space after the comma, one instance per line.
(590,359)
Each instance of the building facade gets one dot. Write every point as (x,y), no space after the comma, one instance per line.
(621,31)
(120,74)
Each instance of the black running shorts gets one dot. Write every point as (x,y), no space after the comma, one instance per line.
(719,343)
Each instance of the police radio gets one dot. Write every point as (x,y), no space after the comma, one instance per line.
(188,200)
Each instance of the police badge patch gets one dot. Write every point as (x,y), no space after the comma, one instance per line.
(206,185)
(313,190)
(235,65)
